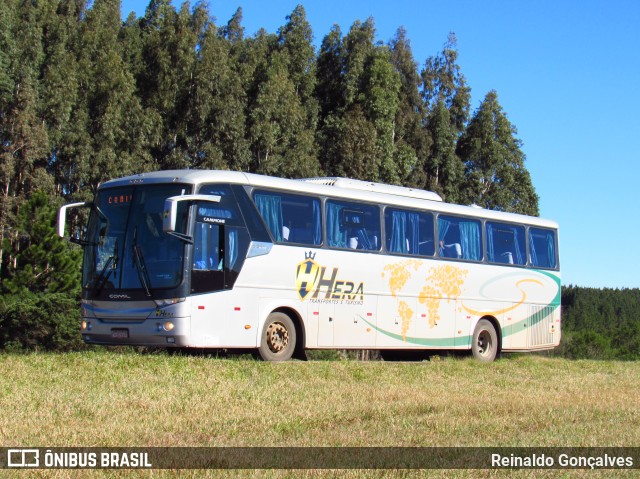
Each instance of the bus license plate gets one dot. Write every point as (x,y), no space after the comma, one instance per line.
(119,333)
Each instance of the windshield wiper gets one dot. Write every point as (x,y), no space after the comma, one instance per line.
(106,270)
(143,274)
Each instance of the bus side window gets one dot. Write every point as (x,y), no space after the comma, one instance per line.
(542,248)
(505,243)
(409,232)
(459,238)
(353,225)
(290,218)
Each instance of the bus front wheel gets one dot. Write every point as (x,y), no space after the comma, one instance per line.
(278,340)
(484,345)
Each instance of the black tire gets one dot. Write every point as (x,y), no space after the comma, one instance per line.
(484,345)
(278,341)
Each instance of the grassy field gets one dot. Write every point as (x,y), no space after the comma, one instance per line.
(127,399)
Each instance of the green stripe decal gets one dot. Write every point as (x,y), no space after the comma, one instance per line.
(514,328)
(448,342)
(536,317)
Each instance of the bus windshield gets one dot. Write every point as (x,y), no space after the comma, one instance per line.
(126,248)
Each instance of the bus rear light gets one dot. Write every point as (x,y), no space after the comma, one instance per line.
(237,308)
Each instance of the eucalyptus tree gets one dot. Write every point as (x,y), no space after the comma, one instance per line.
(495,174)
(380,101)
(444,169)
(411,140)
(217,116)
(358,90)
(443,81)
(23,134)
(444,86)
(108,116)
(170,40)
(60,82)
(331,100)
(295,39)
(282,110)
(281,142)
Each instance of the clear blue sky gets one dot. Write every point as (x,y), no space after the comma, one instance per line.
(567,75)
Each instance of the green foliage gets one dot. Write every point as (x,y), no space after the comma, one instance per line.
(86,97)
(444,169)
(411,138)
(44,262)
(600,323)
(31,322)
(495,176)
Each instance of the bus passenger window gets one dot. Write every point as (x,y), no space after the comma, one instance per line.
(290,218)
(459,238)
(505,243)
(353,225)
(409,232)
(542,248)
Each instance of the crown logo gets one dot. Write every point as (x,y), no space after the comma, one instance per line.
(310,255)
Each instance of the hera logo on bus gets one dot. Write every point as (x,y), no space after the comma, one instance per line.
(320,284)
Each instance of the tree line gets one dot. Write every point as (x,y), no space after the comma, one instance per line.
(600,323)
(86,97)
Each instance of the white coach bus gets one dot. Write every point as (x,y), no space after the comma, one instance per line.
(219,259)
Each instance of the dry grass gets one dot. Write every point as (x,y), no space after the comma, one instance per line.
(111,399)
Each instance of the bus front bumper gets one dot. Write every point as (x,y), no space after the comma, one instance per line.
(150,332)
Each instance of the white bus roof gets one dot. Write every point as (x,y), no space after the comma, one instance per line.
(344,188)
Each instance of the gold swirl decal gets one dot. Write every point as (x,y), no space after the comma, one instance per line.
(511,308)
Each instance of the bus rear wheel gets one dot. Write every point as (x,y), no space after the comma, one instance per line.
(278,340)
(484,345)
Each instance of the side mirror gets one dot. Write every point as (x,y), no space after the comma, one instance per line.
(62,215)
(173,207)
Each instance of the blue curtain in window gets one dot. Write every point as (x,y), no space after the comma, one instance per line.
(398,232)
(317,224)
(490,239)
(363,240)
(532,250)
(335,236)
(517,233)
(546,240)
(414,233)
(270,208)
(551,250)
(232,248)
(443,228)
(470,240)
